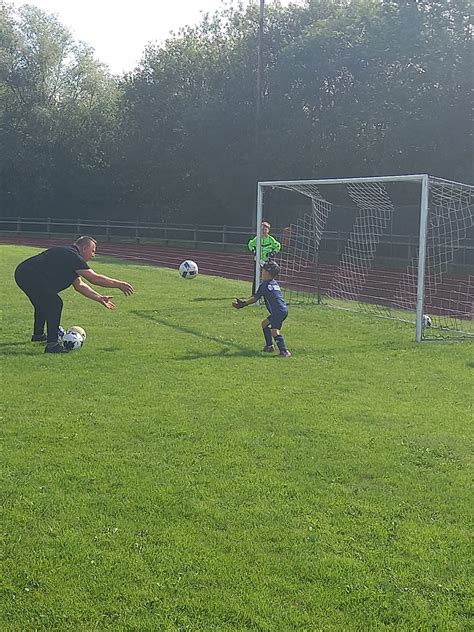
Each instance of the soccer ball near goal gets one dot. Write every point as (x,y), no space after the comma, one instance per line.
(188,269)
(427,322)
(72,340)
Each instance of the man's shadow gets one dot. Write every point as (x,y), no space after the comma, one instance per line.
(229,348)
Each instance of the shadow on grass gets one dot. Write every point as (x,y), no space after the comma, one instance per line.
(229,348)
(224,353)
(214,298)
(233,349)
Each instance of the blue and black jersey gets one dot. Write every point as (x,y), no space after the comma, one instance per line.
(271,294)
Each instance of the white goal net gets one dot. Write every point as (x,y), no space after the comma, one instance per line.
(400,247)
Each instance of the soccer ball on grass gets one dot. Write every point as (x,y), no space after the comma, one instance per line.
(73,340)
(427,322)
(188,269)
(78,330)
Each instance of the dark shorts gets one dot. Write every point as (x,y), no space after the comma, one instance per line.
(276,320)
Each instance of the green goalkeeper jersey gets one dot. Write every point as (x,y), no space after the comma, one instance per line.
(268,245)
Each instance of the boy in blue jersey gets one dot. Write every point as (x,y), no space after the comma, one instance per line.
(270,291)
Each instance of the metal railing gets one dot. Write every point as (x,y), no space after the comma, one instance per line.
(222,237)
(141,232)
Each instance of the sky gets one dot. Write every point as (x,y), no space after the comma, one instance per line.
(119,30)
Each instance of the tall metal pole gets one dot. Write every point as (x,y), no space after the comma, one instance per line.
(259,100)
(259,95)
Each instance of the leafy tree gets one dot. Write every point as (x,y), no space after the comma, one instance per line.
(57,111)
(351,88)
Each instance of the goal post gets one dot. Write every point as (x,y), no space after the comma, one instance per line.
(420,288)
(400,247)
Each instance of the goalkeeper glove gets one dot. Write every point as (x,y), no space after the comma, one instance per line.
(238,303)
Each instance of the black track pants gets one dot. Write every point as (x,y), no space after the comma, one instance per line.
(48,305)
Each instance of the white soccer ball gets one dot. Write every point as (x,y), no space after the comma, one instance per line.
(427,322)
(61,333)
(188,269)
(78,330)
(72,340)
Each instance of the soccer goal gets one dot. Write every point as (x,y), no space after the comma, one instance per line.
(399,247)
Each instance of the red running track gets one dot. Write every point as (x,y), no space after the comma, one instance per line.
(451,297)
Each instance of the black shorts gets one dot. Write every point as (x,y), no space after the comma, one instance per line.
(276,320)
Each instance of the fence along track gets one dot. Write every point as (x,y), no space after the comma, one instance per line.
(225,264)
(240,266)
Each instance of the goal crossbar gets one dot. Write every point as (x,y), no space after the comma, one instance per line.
(406,178)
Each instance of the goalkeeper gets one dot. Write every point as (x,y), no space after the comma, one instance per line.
(270,291)
(269,247)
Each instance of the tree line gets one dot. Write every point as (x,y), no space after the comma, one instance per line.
(350,88)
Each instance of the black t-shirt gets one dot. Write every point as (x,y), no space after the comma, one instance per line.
(57,266)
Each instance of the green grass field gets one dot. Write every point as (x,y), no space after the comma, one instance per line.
(169,476)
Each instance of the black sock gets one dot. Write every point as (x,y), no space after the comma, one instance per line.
(281,343)
(267,332)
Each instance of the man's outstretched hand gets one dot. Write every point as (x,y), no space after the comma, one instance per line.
(106,302)
(126,288)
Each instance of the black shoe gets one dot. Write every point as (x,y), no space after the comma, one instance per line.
(40,338)
(269,349)
(56,348)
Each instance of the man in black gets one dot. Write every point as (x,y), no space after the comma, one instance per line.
(43,276)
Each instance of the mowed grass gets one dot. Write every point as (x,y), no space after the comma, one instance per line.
(170,476)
